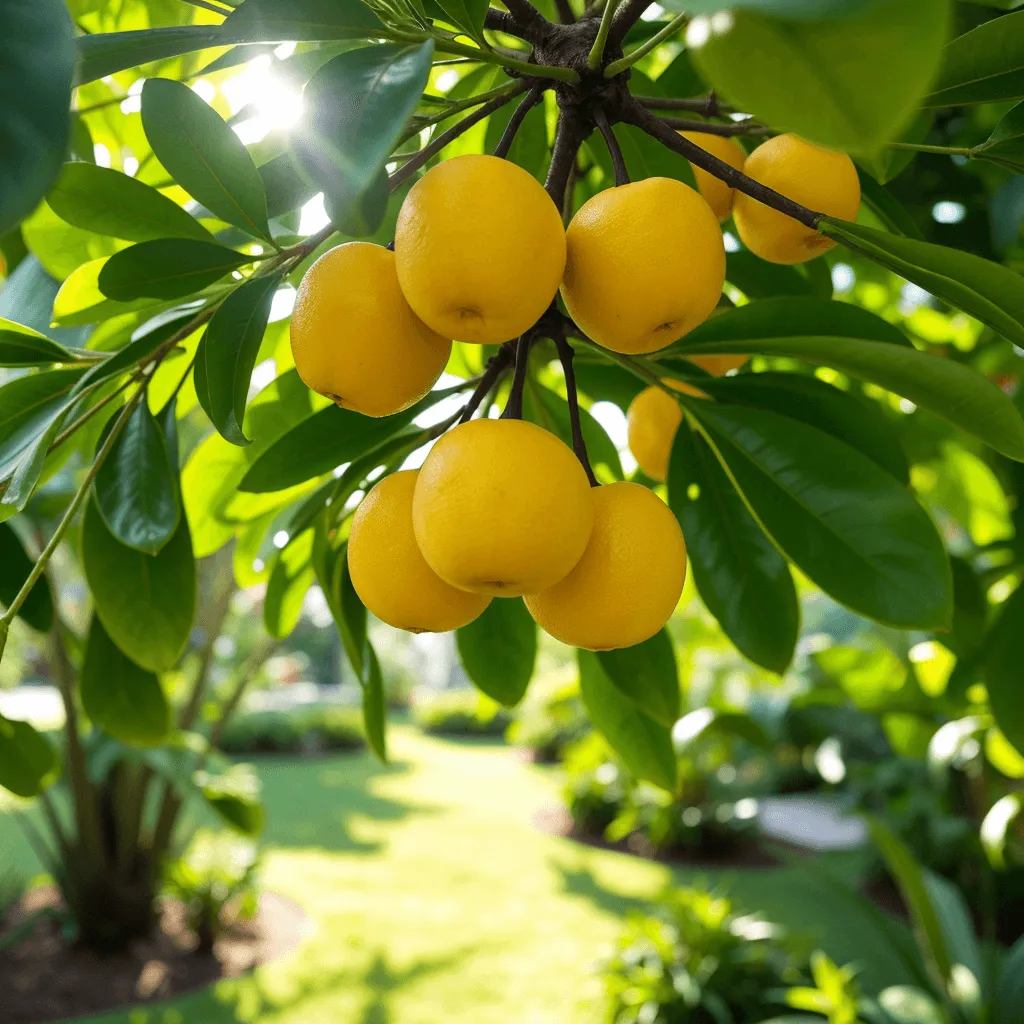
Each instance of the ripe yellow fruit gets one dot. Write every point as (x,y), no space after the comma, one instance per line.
(389,572)
(628,582)
(822,179)
(718,365)
(502,507)
(480,249)
(354,337)
(646,264)
(719,196)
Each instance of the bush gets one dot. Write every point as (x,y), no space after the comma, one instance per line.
(550,717)
(301,730)
(693,960)
(459,713)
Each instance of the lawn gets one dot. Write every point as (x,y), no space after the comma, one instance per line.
(435,899)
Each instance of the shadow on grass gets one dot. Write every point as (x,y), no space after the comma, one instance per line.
(580,881)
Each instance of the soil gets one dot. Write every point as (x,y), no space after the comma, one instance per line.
(42,978)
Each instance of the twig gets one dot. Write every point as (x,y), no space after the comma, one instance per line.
(502,21)
(496,366)
(568,136)
(526,104)
(456,106)
(579,445)
(683,124)
(624,63)
(514,406)
(626,17)
(445,45)
(596,55)
(614,150)
(920,147)
(709,106)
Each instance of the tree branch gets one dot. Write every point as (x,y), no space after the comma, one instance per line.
(568,137)
(709,105)
(528,17)
(514,406)
(734,128)
(565,12)
(614,150)
(502,21)
(496,366)
(579,445)
(526,104)
(625,18)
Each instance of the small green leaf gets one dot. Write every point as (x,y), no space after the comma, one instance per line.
(29,468)
(15,567)
(21,346)
(647,675)
(886,207)
(28,764)
(290,577)
(758,279)
(302,20)
(643,744)
(466,14)
(105,53)
(108,202)
(28,406)
(204,155)
(498,650)
(374,703)
(167,268)
(228,352)
(124,699)
(1004,655)
(983,65)
(1005,146)
(135,486)
(743,580)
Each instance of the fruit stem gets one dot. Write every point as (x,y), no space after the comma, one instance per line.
(624,63)
(579,445)
(633,113)
(709,105)
(526,104)
(514,406)
(614,149)
(683,124)
(596,54)
(496,366)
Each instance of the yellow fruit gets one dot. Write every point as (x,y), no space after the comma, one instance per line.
(389,573)
(480,249)
(354,337)
(822,179)
(646,264)
(719,196)
(718,365)
(502,507)
(628,582)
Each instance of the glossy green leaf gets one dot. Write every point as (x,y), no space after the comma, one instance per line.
(28,469)
(235,796)
(135,487)
(645,157)
(1004,656)
(15,567)
(743,580)
(644,745)
(949,389)
(647,675)
(844,521)
(145,602)
(291,575)
(37,61)
(124,699)
(887,163)
(108,202)
(809,76)
(80,301)
(228,352)
(1005,146)
(22,346)
(204,155)
(344,146)
(758,279)
(886,207)
(956,924)
(983,65)
(1008,1005)
(28,764)
(798,10)
(303,20)
(374,703)
(167,268)
(466,14)
(28,407)
(105,53)
(498,650)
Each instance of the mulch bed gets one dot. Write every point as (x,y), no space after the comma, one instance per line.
(43,979)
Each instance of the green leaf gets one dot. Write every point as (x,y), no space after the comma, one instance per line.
(645,157)
(809,76)
(1004,655)
(228,352)
(120,696)
(1005,146)
(167,268)
(235,796)
(29,468)
(374,703)
(108,202)
(886,207)
(797,10)
(135,486)
(28,407)
(844,521)
(758,279)
(887,163)
(857,421)
(743,580)
(1008,1006)
(105,53)
(146,602)
(647,675)
(344,146)
(644,745)
(956,924)
(498,650)
(983,65)
(466,14)
(204,155)
(37,61)
(22,346)
(302,20)
(949,389)
(15,567)
(28,764)
(291,575)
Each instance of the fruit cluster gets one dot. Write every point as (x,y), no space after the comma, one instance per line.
(503,508)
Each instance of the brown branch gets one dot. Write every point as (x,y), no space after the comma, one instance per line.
(579,445)
(565,12)
(614,150)
(569,135)
(514,406)
(625,18)
(532,22)
(515,122)
(496,366)
(734,128)
(709,105)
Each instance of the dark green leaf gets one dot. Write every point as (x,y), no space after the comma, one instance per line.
(120,696)
(647,675)
(605,382)
(344,146)
(229,350)
(235,796)
(146,602)
(955,923)
(108,202)
(645,157)
(135,488)
(374,703)
(886,207)
(983,65)
(22,346)
(758,279)
(1004,656)
(362,216)
(498,650)
(28,764)
(797,10)
(204,155)
(1008,1007)
(1005,146)
(302,20)
(808,76)
(285,183)
(29,467)
(37,61)
(741,576)
(168,268)
(15,567)
(887,163)
(28,406)
(105,53)
(844,521)
(644,745)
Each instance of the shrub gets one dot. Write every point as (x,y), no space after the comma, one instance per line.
(459,713)
(550,718)
(301,730)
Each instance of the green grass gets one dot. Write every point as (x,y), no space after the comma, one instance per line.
(435,900)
